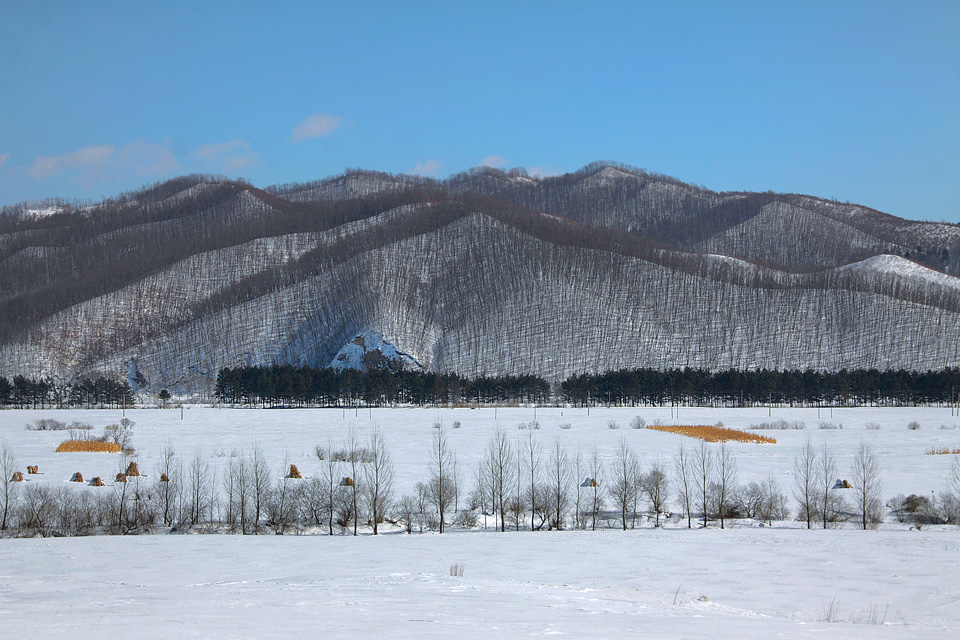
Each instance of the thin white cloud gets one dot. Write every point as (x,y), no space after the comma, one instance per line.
(3,159)
(497,162)
(145,159)
(103,162)
(427,168)
(317,125)
(88,159)
(226,156)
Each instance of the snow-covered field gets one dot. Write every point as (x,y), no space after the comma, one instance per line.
(744,582)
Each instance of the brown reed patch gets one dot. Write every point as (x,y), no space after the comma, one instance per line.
(33,470)
(942,451)
(712,433)
(120,478)
(87,446)
(132,470)
(294,472)
(97,482)
(164,478)
(17,477)
(77,477)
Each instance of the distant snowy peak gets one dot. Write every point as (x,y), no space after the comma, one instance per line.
(370,351)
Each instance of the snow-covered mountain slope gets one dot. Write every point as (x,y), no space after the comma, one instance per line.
(189,279)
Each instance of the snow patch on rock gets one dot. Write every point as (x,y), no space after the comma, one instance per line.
(369,350)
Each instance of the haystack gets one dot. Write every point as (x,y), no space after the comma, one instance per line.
(77,477)
(17,477)
(33,470)
(164,478)
(346,482)
(97,482)
(132,470)
(294,472)
(120,478)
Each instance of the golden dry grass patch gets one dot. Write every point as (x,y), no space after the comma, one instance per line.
(711,433)
(942,451)
(88,446)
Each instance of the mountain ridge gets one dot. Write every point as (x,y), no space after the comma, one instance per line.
(481,273)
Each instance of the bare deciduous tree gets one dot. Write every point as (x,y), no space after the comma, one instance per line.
(378,480)
(500,467)
(726,480)
(624,484)
(533,456)
(805,481)
(656,486)
(703,471)
(684,466)
(441,485)
(867,486)
(559,494)
(8,488)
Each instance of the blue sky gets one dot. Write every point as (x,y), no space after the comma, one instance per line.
(859,101)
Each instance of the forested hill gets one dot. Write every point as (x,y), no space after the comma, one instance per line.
(486,273)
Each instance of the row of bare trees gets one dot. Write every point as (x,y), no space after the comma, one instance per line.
(518,483)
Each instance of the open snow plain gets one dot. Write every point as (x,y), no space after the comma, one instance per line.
(673,582)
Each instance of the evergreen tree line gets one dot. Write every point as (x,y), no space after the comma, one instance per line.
(750,388)
(286,384)
(39,393)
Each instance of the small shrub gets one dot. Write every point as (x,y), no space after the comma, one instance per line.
(613,425)
(873,426)
(779,425)
(948,427)
(914,426)
(456,424)
(466,519)
(437,425)
(456,569)
(566,425)
(831,425)
(534,425)
(522,426)
(638,423)
(47,424)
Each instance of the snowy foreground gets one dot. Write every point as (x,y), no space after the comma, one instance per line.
(743,582)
